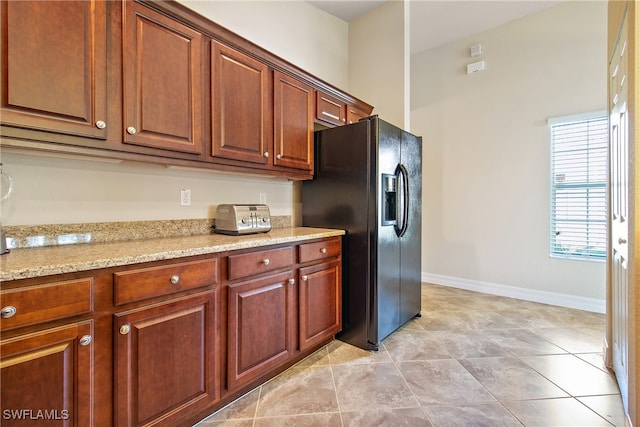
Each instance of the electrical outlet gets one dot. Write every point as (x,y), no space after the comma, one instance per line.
(185,197)
(263,198)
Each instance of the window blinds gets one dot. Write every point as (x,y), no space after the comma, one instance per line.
(579,187)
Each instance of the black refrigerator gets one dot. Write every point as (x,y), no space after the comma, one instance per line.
(368,181)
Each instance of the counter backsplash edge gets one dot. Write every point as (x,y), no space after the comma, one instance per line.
(31,236)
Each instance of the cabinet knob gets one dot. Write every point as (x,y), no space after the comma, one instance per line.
(266,154)
(8,311)
(100,124)
(279,156)
(85,340)
(131,130)
(125,329)
(292,281)
(174,279)
(622,241)
(323,250)
(305,278)
(266,261)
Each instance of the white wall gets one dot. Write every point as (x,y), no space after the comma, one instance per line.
(486,150)
(55,190)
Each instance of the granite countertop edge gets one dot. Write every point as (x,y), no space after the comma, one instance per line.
(45,261)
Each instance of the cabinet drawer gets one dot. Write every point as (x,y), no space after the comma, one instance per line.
(319,250)
(253,263)
(46,302)
(144,283)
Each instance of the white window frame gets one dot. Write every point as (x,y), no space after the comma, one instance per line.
(578,207)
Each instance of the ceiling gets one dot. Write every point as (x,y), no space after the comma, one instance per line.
(438,22)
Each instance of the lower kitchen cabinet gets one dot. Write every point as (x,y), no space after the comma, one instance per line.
(259,327)
(320,303)
(164,342)
(166,360)
(47,377)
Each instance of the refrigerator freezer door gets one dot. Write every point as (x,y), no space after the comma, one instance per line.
(387,276)
(340,196)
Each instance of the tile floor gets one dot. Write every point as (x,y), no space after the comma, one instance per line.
(472,359)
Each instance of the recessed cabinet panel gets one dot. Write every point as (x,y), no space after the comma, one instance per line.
(293,119)
(240,106)
(354,114)
(260,327)
(166,360)
(48,371)
(162,71)
(320,303)
(54,66)
(330,109)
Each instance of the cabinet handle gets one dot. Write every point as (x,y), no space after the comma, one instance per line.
(304,278)
(8,311)
(279,156)
(266,261)
(292,281)
(323,250)
(100,124)
(266,154)
(174,279)
(131,130)
(622,241)
(85,340)
(125,329)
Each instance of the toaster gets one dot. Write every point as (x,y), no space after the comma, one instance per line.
(242,219)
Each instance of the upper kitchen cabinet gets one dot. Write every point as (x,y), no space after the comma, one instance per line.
(162,81)
(293,123)
(330,109)
(54,70)
(354,114)
(241,106)
(334,111)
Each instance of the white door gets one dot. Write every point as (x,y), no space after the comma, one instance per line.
(619,210)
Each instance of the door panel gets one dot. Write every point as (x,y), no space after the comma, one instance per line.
(54,80)
(162,78)
(619,211)
(240,99)
(260,327)
(293,119)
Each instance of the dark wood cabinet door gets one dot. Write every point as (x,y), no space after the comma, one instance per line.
(330,109)
(47,378)
(162,81)
(293,123)
(241,118)
(320,303)
(259,327)
(354,114)
(54,67)
(166,359)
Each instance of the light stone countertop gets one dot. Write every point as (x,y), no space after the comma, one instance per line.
(44,261)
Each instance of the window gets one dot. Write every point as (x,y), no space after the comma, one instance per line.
(579,172)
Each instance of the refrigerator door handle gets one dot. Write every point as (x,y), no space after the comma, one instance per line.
(403,200)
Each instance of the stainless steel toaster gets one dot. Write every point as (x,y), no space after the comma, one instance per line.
(242,219)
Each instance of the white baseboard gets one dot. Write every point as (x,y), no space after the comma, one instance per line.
(552,298)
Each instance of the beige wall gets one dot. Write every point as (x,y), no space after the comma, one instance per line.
(486,151)
(59,190)
(378,60)
(294,30)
